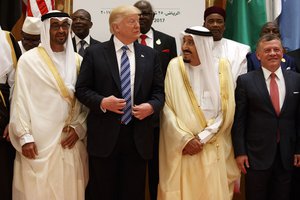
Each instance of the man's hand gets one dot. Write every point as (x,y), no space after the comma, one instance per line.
(193,147)
(29,150)
(142,111)
(6,133)
(113,104)
(297,160)
(242,161)
(70,140)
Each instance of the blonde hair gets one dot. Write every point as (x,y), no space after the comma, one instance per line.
(119,13)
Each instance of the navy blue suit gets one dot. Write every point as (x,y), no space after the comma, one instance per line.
(108,140)
(256,126)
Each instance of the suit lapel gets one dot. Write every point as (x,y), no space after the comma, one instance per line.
(156,40)
(74,44)
(261,87)
(288,86)
(139,66)
(111,58)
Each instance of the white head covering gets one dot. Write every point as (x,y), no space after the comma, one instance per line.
(204,44)
(6,62)
(32,25)
(67,67)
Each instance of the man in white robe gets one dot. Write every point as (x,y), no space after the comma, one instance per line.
(47,123)
(196,156)
(235,52)
(30,33)
(10,52)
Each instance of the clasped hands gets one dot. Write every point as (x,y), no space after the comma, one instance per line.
(29,150)
(117,105)
(193,147)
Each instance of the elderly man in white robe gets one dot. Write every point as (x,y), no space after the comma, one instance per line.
(196,156)
(47,123)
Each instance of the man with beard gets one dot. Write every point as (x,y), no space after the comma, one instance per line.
(166,46)
(30,33)
(47,123)
(81,26)
(214,20)
(195,152)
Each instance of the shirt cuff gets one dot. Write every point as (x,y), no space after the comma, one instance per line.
(80,131)
(26,138)
(205,136)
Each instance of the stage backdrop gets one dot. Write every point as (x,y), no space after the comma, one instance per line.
(171,16)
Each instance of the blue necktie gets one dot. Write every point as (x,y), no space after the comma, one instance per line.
(126,86)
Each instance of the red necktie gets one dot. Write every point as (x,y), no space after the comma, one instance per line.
(274,94)
(143,39)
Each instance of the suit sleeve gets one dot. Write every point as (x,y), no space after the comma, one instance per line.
(240,120)
(158,95)
(85,84)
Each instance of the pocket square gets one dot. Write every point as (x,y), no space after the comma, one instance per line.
(295,92)
(166,50)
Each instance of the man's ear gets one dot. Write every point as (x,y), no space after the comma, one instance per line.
(257,55)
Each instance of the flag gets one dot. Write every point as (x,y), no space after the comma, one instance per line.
(10,12)
(244,19)
(289,24)
(36,8)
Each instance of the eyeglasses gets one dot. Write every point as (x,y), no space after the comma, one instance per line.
(56,26)
(146,14)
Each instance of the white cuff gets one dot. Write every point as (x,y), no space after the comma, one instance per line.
(26,138)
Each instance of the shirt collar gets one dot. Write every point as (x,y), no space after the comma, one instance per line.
(149,34)
(119,44)
(87,39)
(267,73)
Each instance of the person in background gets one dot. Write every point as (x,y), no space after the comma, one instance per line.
(10,53)
(166,46)
(296,55)
(30,33)
(235,52)
(163,43)
(266,129)
(121,82)
(287,62)
(47,123)
(196,158)
(81,25)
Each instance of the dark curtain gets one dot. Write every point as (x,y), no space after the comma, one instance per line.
(10,12)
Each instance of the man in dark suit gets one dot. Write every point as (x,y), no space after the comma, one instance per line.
(266,129)
(287,62)
(163,43)
(81,26)
(166,46)
(296,55)
(120,142)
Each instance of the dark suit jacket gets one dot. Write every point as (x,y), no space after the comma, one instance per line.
(256,123)
(296,55)
(287,62)
(99,78)
(166,46)
(92,42)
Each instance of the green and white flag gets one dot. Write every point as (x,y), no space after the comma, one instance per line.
(244,19)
